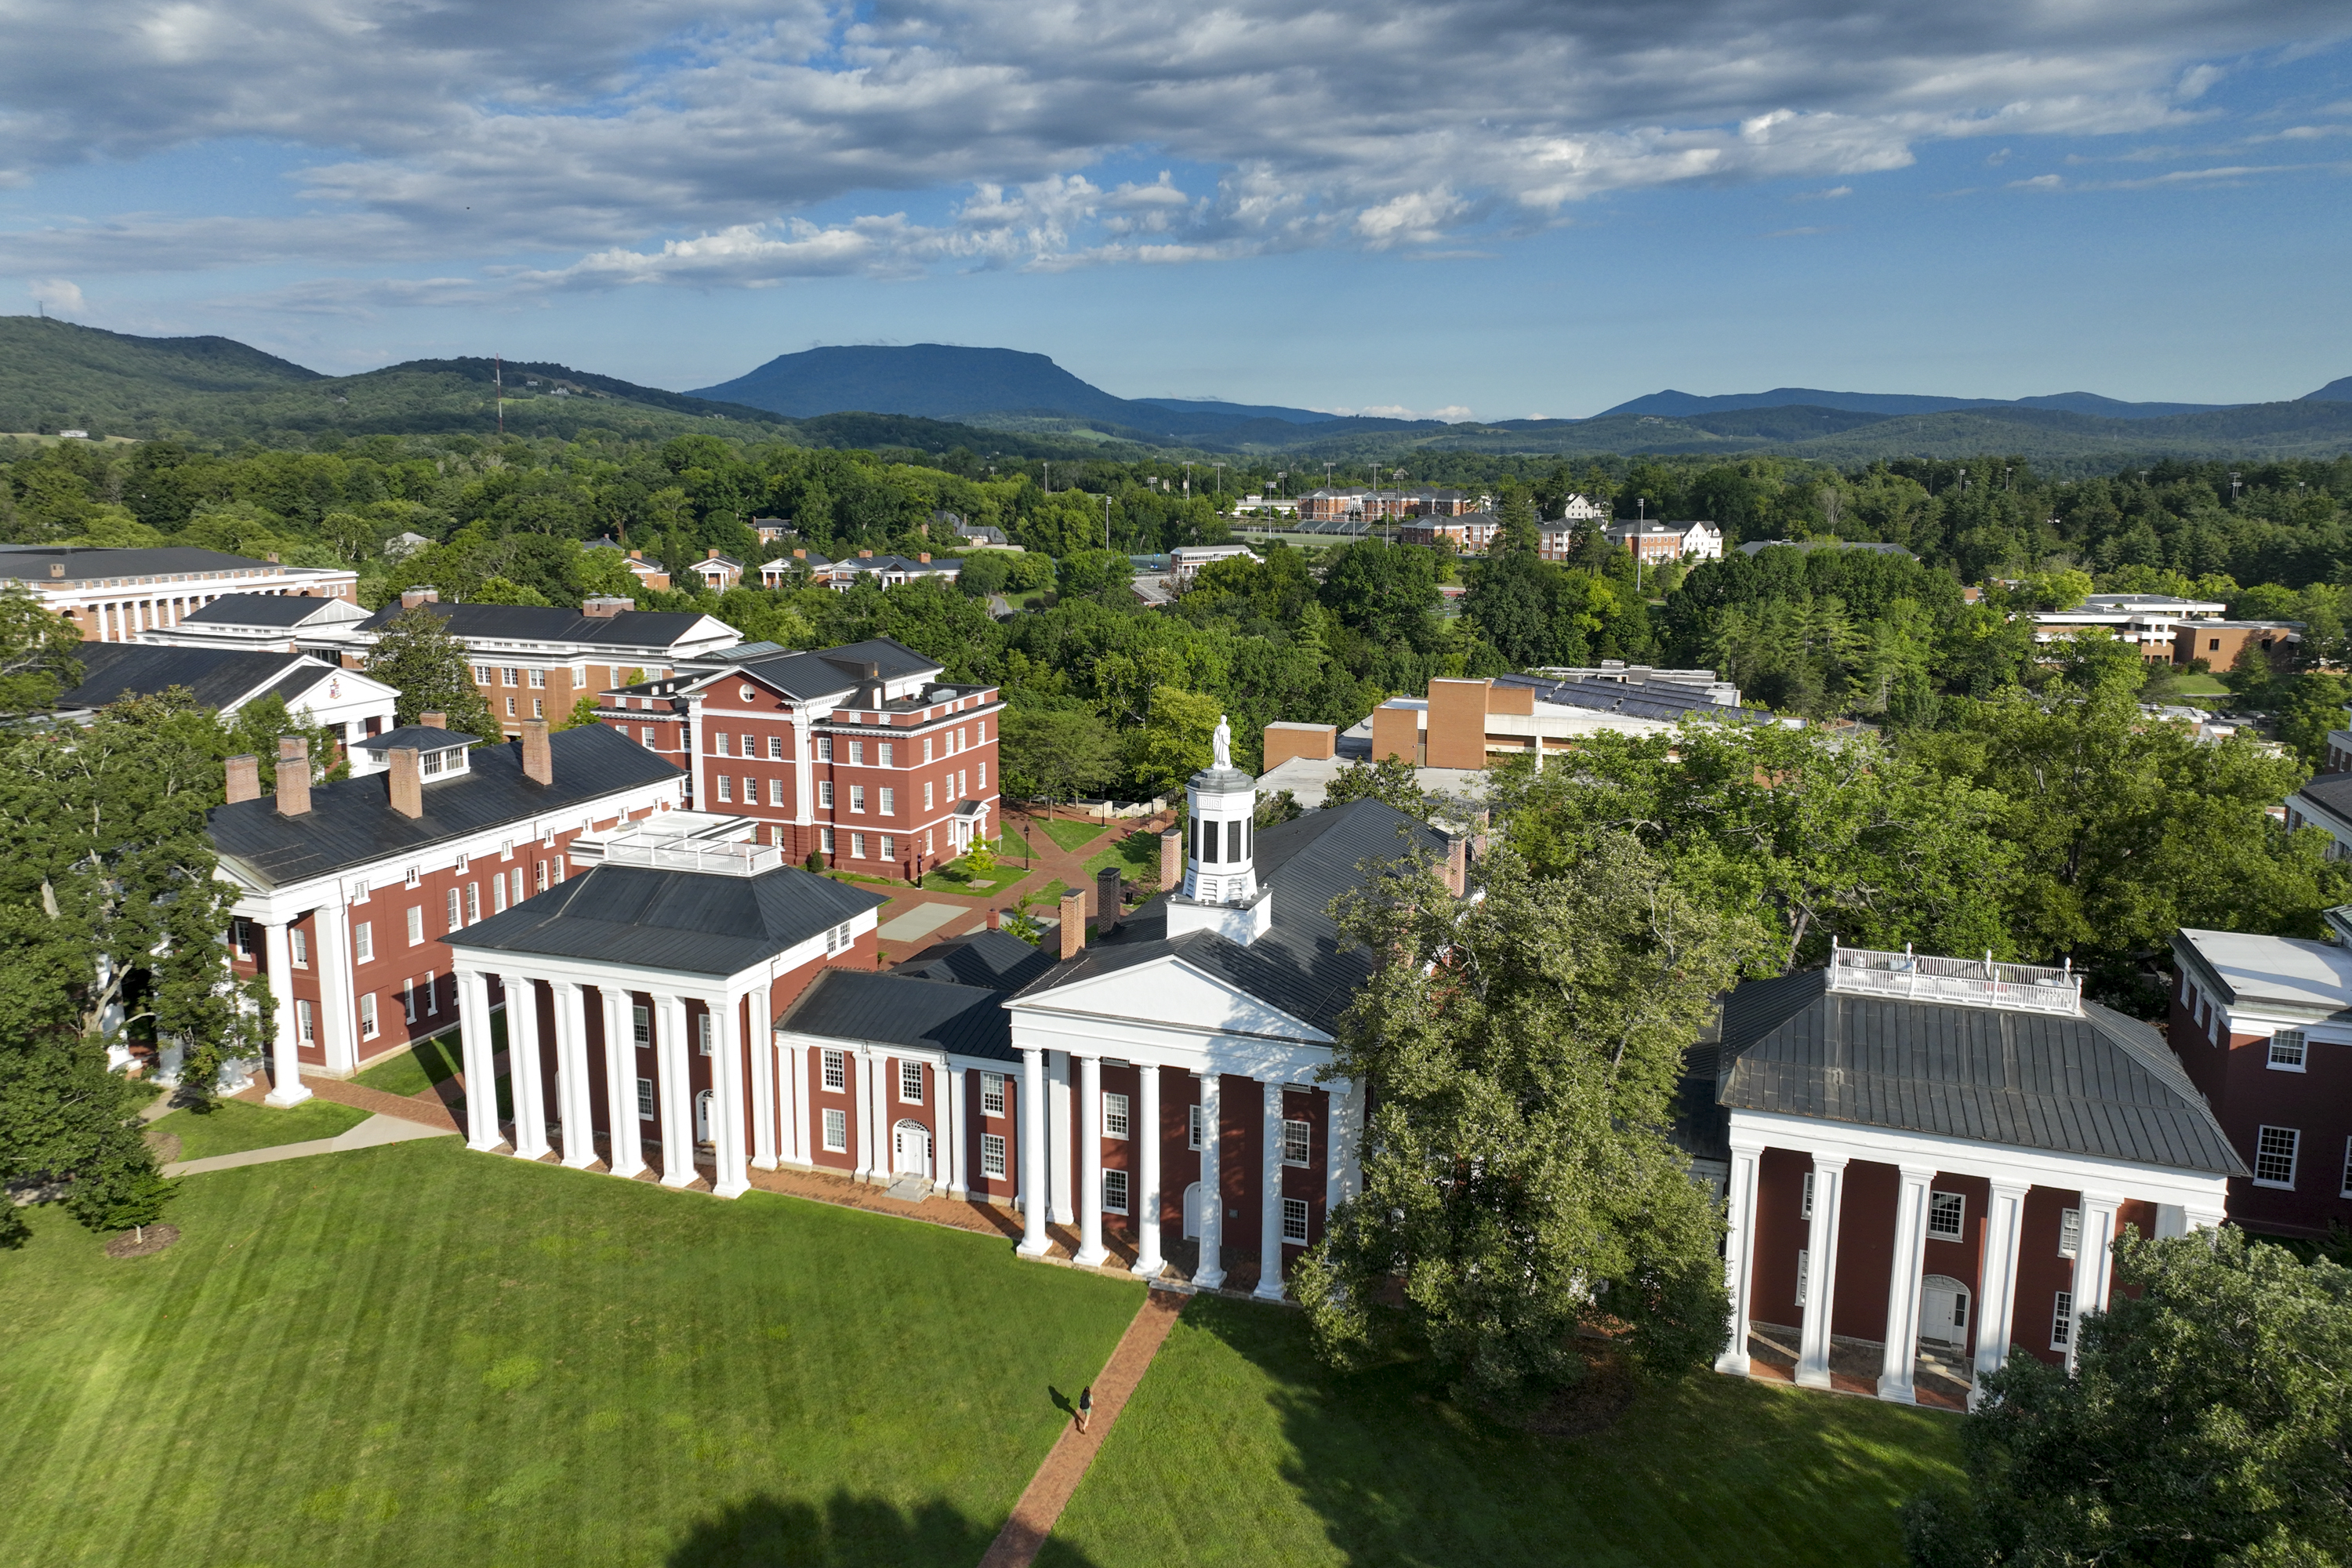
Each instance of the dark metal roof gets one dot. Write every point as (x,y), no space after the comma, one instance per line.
(84,561)
(422,737)
(996,959)
(258,610)
(831,671)
(2331,791)
(696,921)
(2101,1084)
(537,623)
(1651,700)
(215,677)
(1810,545)
(1298,966)
(351,824)
(903,1009)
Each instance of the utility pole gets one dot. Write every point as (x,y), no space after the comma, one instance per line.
(1220,477)
(1105,520)
(498,381)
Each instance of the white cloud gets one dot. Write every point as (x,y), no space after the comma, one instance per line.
(602,144)
(59,295)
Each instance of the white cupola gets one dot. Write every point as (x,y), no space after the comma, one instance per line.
(1221,887)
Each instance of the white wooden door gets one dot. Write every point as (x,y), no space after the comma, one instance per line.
(1943,1310)
(910,1153)
(702,1117)
(1192,1212)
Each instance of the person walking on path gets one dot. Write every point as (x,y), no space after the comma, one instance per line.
(1085,1406)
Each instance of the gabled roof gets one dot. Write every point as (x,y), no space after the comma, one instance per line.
(996,959)
(699,922)
(2101,1085)
(422,737)
(895,563)
(83,561)
(1297,968)
(901,1009)
(536,622)
(218,678)
(2331,792)
(269,610)
(2284,972)
(351,824)
(725,562)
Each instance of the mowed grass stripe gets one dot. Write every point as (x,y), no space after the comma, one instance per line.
(1240,1448)
(414,1355)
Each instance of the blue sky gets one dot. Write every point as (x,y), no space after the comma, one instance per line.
(1488,209)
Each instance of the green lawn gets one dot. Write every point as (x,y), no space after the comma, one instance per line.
(1240,1449)
(420,1066)
(414,1355)
(1004,877)
(1136,855)
(2200,685)
(1069,835)
(233,1126)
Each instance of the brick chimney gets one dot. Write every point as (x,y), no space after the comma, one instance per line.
(244,778)
(636,556)
(800,554)
(924,556)
(538,761)
(412,597)
(434,720)
(1172,859)
(293,775)
(1073,923)
(408,782)
(866,555)
(1457,866)
(996,920)
(605,606)
(1107,899)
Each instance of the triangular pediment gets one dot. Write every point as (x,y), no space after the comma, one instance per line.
(1170,992)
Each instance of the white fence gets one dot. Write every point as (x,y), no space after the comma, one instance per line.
(1974,983)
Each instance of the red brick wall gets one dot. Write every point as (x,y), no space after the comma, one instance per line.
(2247,1094)
(821,1100)
(1240,1157)
(1307,1182)
(1780,1234)
(2042,1273)
(1865,1250)
(977,1121)
(1180,1163)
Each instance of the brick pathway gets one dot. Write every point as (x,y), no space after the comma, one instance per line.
(426,1107)
(1050,1489)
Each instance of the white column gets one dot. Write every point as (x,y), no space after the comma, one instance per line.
(677,1091)
(1820,1276)
(1269,1241)
(1058,1109)
(762,1049)
(2171,1221)
(955,1152)
(1029,1131)
(1210,1274)
(1338,1138)
(1996,1303)
(621,1080)
(727,1107)
(2204,1219)
(1091,1250)
(870,1160)
(338,1023)
(2093,1265)
(479,1051)
(1145,1198)
(524,1078)
(1739,1253)
(796,1106)
(285,1045)
(572,1100)
(1897,1360)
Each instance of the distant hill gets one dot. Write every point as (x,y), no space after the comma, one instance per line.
(941,381)
(2336,391)
(1682,404)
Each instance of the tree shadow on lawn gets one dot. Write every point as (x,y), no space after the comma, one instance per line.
(845,1531)
(1710,1467)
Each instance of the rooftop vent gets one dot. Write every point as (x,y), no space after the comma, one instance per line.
(1971,982)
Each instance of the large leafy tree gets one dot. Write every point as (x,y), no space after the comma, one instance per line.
(1057,753)
(2210,1423)
(1523,1053)
(416,654)
(260,724)
(37,652)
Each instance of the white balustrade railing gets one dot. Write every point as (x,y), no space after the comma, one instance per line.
(1976,983)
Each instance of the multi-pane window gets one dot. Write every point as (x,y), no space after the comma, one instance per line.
(857,753)
(2348,1168)
(1294,1220)
(889,800)
(497,891)
(1192,1133)
(515,876)
(306,1027)
(481,674)
(775,792)
(2274,1149)
(2070,1233)
(456,917)
(992,1094)
(825,793)
(890,848)
(927,787)
(510,707)
(641,1024)
(473,902)
(702,1032)
(1805,1208)
(882,753)
(910,1082)
(539,680)
(775,748)
(979,772)
(367,1016)
(2061,1321)
(991,1154)
(432,993)
(539,706)
(2287,1050)
(836,1130)
(364,941)
(1114,1192)
(644,1099)
(1804,1273)
(927,748)
(1296,1141)
(825,748)
(721,743)
(539,879)
(408,999)
(645,738)
(299,941)
(510,675)
(416,924)
(726,787)
(857,846)
(1115,1118)
(837,1069)
(857,797)
(1945,1214)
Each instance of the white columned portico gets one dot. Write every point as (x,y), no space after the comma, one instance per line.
(624,1140)
(523,1068)
(1146,1200)
(676,1088)
(2093,1265)
(1091,1250)
(1210,1274)
(573,1104)
(761,1040)
(1739,1253)
(953,1156)
(727,1110)
(1270,1216)
(1033,1152)
(1058,1140)
(338,1026)
(481,1073)
(1995,1302)
(284,1046)
(1820,1270)
(1897,1359)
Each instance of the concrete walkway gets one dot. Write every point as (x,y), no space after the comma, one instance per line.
(368,1134)
(1050,1489)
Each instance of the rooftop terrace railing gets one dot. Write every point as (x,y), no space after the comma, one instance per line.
(1973,982)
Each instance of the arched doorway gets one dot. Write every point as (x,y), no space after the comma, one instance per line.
(1943,1310)
(702,1117)
(1192,1212)
(911,1150)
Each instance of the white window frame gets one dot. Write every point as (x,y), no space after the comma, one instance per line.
(1296,1215)
(1115,1121)
(857,846)
(457,909)
(2070,1233)
(992,1096)
(890,848)
(298,943)
(641,1024)
(644,1099)
(539,680)
(726,787)
(408,997)
(837,1130)
(2348,1168)
(834,1072)
(2293,1137)
(776,793)
(825,793)
(432,995)
(1194,1126)
(857,798)
(1300,1136)
(991,1154)
(363,942)
(1951,1208)
(910,1083)
(887,802)
(703,1032)
(305,1025)
(825,748)
(1114,1191)
(1804,1269)
(2290,1050)
(369,1027)
(1805,1203)
(417,925)
(775,748)
(2061,1321)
